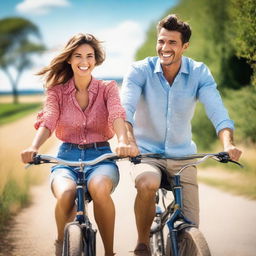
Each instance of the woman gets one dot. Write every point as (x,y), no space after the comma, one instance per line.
(85,113)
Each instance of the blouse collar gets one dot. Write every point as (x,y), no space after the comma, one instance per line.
(69,86)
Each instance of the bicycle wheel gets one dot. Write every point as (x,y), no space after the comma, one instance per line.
(190,242)
(73,240)
(90,242)
(157,244)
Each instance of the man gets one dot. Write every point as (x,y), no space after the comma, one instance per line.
(159,95)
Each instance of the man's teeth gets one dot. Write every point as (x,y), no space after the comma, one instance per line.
(167,55)
(83,68)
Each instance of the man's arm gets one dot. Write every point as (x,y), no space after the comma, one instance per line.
(227,140)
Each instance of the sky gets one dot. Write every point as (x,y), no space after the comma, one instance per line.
(121,24)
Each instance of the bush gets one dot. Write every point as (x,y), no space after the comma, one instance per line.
(204,134)
(242,107)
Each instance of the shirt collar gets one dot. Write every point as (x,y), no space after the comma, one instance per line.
(183,68)
(158,67)
(69,86)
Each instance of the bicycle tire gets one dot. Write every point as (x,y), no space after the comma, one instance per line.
(190,242)
(73,240)
(157,244)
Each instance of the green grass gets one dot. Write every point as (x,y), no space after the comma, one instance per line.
(10,112)
(230,178)
(12,198)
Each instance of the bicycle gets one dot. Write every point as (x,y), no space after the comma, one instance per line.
(183,238)
(79,235)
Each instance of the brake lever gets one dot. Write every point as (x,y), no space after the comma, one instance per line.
(135,159)
(225,158)
(36,161)
(235,162)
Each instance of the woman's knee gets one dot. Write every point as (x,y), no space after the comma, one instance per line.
(65,192)
(100,187)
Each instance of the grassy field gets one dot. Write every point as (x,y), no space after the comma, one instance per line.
(10,112)
(15,180)
(230,177)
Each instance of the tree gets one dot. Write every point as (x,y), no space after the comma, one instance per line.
(17,47)
(243,14)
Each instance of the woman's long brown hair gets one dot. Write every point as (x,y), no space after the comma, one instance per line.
(59,71)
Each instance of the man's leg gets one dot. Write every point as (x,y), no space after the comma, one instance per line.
(147,181)
(144,207)
(190,194)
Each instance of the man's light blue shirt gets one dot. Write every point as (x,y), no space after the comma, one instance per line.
(161,113)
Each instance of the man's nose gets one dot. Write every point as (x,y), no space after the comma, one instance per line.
(165,47)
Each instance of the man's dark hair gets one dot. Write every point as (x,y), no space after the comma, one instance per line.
(172,23)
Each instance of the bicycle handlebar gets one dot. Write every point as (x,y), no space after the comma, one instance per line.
(222,157)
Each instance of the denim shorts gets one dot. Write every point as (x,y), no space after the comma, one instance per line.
(71,152)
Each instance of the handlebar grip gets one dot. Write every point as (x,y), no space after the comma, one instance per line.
(225,158)
(136,159)
(38,160)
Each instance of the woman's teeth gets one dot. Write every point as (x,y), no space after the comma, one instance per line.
(83,68)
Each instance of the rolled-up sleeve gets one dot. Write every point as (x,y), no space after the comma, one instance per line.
(49,116)
(115,109)
(210,97)
(131,92)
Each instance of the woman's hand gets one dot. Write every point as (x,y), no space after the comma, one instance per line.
(28,154)
(41,136)
(124,149)
(134,150)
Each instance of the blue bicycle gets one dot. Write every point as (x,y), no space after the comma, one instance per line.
(183,237)
(79,235)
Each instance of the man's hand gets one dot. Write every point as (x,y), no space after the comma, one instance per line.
(226,137)
(233,152)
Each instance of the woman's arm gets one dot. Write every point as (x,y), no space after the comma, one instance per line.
(124,147)
(41,136)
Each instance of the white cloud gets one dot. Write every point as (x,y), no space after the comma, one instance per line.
(40,7)
(121,43)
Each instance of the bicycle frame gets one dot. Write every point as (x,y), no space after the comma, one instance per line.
(81,214)
(176,215)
